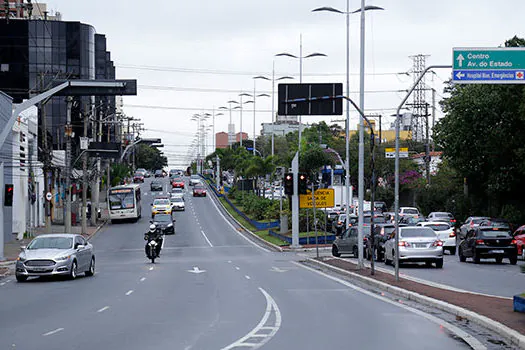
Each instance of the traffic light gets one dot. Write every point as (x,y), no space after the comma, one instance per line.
(8,195)
(288,183)
(303,186)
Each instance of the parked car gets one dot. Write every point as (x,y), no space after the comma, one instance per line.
(409,212)
(177,204)
(138,177)
(416,244)
(56,254)
(165,222)
(177,182)
(442,216)
(199,191)
(347,242)
(195,180)
(519,237)
(445,233)
(160,206)
(156,186)
(159,173)
(469,224)
(484,242)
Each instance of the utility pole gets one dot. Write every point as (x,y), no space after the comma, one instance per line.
(68,131)
(433,116)
(85,181)
(46,159)
(427,146)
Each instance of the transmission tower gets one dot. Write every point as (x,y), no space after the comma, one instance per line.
(419,104)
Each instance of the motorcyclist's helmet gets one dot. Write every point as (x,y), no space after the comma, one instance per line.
(152,228)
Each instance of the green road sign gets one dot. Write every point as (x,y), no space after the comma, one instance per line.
(505,65)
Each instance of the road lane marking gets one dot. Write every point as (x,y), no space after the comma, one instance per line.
(103,309)
(229,261)
(53,332)
(469,339)
(234,229)
(129,292)
(151,268)
(237,268)
(206,238)
(196,270)
(2,284)
(262,338)
(247,277)
(142,279)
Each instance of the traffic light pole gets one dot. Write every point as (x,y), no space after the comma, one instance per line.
(295,201)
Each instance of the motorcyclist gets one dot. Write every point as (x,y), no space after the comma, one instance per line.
(156,234)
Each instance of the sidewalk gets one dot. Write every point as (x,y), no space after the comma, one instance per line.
(497,309)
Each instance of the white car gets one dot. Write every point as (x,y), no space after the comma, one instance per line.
(416,244)
(195,180)
(409,212)
(177,204)
(177,193)
(445,233)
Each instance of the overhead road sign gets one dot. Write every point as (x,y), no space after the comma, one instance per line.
(99,87)
(324,198)
(310,99)
(502,65)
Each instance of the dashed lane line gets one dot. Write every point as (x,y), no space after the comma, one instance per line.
(53,332)
(237,268)
(247,277)
(103,309)
(129,292)
(206,238)
(142,279)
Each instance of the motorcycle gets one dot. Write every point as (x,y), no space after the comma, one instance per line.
(154,244)
(151,251)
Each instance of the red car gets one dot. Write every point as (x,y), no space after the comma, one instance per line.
(519,237)
(138,177)
(199,191)
(177,182)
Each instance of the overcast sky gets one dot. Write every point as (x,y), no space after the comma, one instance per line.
(193,56)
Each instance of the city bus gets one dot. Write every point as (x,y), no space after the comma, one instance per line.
(124,203)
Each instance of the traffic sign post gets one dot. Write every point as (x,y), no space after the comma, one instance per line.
(502,65)
(391,152)
(48,196)
(324,198)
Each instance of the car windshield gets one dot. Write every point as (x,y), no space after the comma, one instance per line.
(161,202)
(177,200)
(176,190)
(194,177)
(51,243)
(162,218)
(121,199)
(495,233)
(438,227)
(377,219)
(198,187)
(410,211)
(442,215)
(138,173)
(417,232)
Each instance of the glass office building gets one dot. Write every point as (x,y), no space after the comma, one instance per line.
(35,54)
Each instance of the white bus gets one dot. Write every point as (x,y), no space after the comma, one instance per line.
(124,202)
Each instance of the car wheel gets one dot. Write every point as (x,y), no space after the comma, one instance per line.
(21,278)
(91,270)
(73,271)
(335,251)
(439,263)
(513,260)
(355,252)
(462,257)
(428,263)
(452,250)
(499,260)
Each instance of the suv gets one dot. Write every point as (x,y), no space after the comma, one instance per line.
(486,242)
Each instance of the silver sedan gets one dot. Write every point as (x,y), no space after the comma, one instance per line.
(56,254)
(416,244)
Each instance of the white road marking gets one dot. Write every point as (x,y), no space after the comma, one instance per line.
(229,261)
(142,279)
(276,269)
(469,339)
(129,292)
(237,268)
(271,307)
(53,332)
(196,270)
(234,229)
(151,268)
(206,238)
(103,309)
(247,277)
(2,284)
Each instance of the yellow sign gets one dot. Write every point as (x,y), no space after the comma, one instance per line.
(324,198)
(391,152)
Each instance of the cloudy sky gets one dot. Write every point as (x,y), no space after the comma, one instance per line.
(193,56)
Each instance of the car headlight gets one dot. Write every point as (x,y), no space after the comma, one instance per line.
(21,258)
(170,225)
(62,258)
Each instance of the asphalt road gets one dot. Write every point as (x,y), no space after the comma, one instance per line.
(211,289)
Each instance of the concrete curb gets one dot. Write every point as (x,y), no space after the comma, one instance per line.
(253,235)
(511,335)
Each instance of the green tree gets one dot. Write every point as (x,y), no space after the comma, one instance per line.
(148,157)
(119,172)
(482,138)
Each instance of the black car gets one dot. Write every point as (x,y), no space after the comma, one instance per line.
(156,186)
(165,222)
(486,242)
